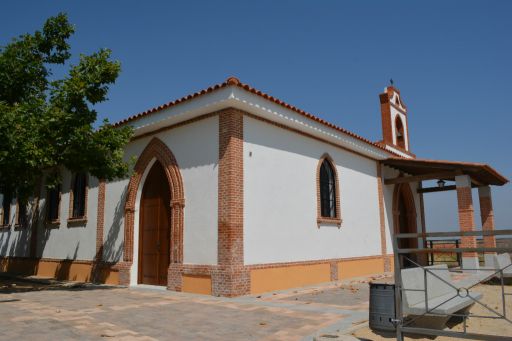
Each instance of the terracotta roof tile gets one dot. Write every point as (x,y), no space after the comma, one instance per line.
(233,81)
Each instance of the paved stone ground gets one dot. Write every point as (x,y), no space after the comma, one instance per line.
(56,311)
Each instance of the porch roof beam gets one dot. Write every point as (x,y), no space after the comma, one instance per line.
(441,189)
(476,183)
(437,189)
(416,178)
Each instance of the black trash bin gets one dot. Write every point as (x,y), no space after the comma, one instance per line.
(382,306)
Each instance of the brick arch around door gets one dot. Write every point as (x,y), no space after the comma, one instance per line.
(156,149)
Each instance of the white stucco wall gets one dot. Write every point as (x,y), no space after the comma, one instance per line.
(195,147)
(113,228)
(69,241)
(14,242)
(62,241)
(280,199)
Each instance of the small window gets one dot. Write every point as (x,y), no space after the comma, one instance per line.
(53,204)
(328,192)
(21,214)
(79,195)
(6,209)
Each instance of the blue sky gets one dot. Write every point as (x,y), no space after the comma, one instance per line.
(452,61)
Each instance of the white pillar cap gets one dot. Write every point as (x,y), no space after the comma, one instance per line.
(463,181)
(484,191)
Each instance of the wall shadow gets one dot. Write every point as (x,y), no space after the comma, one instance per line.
(109,253)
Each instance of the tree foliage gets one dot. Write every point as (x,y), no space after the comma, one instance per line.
(45,123)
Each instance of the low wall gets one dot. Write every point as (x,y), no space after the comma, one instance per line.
(197,284)
(280,276)
(61,269)
(360,267)
(198,278)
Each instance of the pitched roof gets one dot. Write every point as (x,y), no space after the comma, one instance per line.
(483,173)
(233,81)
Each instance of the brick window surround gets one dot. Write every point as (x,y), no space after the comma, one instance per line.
(321,219)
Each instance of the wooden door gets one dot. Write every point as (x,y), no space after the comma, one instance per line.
(154,227)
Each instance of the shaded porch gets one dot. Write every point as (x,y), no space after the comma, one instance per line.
(461,177)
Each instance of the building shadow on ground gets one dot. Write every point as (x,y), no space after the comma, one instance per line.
(20,284)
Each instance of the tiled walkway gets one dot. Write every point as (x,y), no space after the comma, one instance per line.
(98,313)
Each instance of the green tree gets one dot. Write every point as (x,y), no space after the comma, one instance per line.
(45,123)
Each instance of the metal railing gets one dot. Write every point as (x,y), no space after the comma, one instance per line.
(409,324)
(453,258)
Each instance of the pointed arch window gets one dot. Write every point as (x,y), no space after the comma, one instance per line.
(328,192)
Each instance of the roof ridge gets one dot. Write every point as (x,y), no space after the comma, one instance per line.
(234,81)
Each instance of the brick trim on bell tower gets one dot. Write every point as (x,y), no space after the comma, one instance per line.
(385,111)
(394,120)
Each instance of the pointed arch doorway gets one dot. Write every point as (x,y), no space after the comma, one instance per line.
(159,152)
(154,228)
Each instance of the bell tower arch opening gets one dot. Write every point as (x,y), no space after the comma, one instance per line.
(395,130)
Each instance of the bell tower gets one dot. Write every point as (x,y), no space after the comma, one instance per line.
(395,130)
